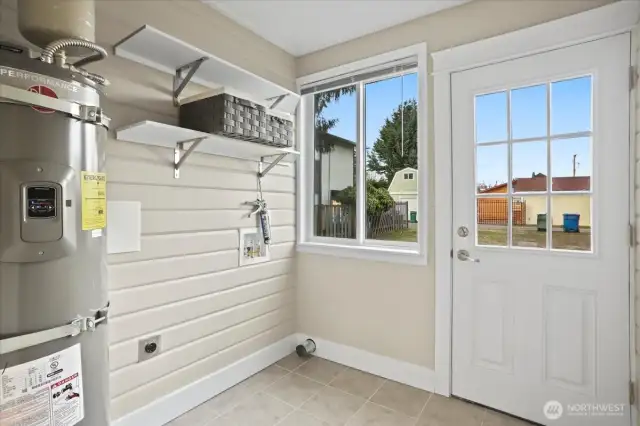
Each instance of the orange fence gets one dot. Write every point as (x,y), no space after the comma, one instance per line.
(495,211)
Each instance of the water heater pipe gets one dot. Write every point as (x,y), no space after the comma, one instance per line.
(52,48)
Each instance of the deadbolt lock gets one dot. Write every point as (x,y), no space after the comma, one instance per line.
(463,232)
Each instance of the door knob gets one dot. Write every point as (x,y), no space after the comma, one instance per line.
(464,256)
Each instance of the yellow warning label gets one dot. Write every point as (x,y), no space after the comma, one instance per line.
(94,201)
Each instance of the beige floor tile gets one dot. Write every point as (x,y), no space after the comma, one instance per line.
(294,389)
(333,406)
(376,415)
(300,418)
(357,382)
(228,399)
(441,411)
(321,370)
(199,416)
(291,362)
(402,398)
(266,377)
(259,410)
(493,418)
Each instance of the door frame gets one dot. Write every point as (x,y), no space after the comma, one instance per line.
(617,18)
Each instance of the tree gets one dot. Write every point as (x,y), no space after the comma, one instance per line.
(390,153)
(322,123)
(378,199)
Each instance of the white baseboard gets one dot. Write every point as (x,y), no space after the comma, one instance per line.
(389,368)
(167,408)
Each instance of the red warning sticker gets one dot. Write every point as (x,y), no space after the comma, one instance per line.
(46,91)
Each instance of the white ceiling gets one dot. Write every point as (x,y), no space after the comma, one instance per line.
(304,26)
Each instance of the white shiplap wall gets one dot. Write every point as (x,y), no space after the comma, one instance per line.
(185,284)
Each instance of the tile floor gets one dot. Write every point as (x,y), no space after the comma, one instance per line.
(317,392)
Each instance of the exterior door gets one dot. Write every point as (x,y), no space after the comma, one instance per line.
(541,237)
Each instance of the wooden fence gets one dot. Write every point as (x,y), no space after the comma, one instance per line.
(339,221)
(335,221)
(396,218)
(495,211)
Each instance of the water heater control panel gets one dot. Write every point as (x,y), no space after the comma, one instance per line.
(41,202)
(41,212)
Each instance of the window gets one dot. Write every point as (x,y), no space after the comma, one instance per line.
(360,159)
(534,166)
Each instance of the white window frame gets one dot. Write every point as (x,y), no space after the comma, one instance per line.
(361,248)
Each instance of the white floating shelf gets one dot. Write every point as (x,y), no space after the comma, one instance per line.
(165,135)
(165,53)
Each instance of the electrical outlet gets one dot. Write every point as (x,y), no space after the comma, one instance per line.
(149,348)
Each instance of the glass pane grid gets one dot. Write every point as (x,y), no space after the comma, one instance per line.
(513,212)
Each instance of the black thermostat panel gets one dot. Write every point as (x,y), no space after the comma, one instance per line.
(41,202)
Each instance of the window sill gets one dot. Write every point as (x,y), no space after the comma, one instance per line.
(372,253)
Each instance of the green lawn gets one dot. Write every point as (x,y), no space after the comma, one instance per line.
(409,235)
(523,236)
(529,236)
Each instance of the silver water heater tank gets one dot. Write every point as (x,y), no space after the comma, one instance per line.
(53,272)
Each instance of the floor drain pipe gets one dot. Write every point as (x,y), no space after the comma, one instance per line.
(306,348)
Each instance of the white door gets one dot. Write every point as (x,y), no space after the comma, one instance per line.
(541,183)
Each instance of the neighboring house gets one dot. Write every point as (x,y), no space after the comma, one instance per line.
(404,188)
(529,206)
(336,168)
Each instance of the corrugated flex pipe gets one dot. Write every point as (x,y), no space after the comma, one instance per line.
(52,48)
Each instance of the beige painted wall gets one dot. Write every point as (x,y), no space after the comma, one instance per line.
(560,204)
(185,284)
(388,308)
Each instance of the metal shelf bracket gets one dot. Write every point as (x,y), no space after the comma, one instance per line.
(276,100)
(180,80)
(179,158)
(262,170)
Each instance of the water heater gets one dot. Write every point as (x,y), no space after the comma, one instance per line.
(53,285)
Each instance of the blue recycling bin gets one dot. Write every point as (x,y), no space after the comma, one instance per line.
(571,222)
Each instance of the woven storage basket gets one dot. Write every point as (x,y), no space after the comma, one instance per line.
(237,118)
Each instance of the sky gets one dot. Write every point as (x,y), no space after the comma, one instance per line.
(570,112)
(381,99)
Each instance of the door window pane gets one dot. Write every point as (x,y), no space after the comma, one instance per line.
(562,214)
(334,171)
(571,106)
(529,166)
(392,175)
(492,170)
(529,112)
(529,221)
(571,222)
(491,117)
(492,221)
(571,164)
